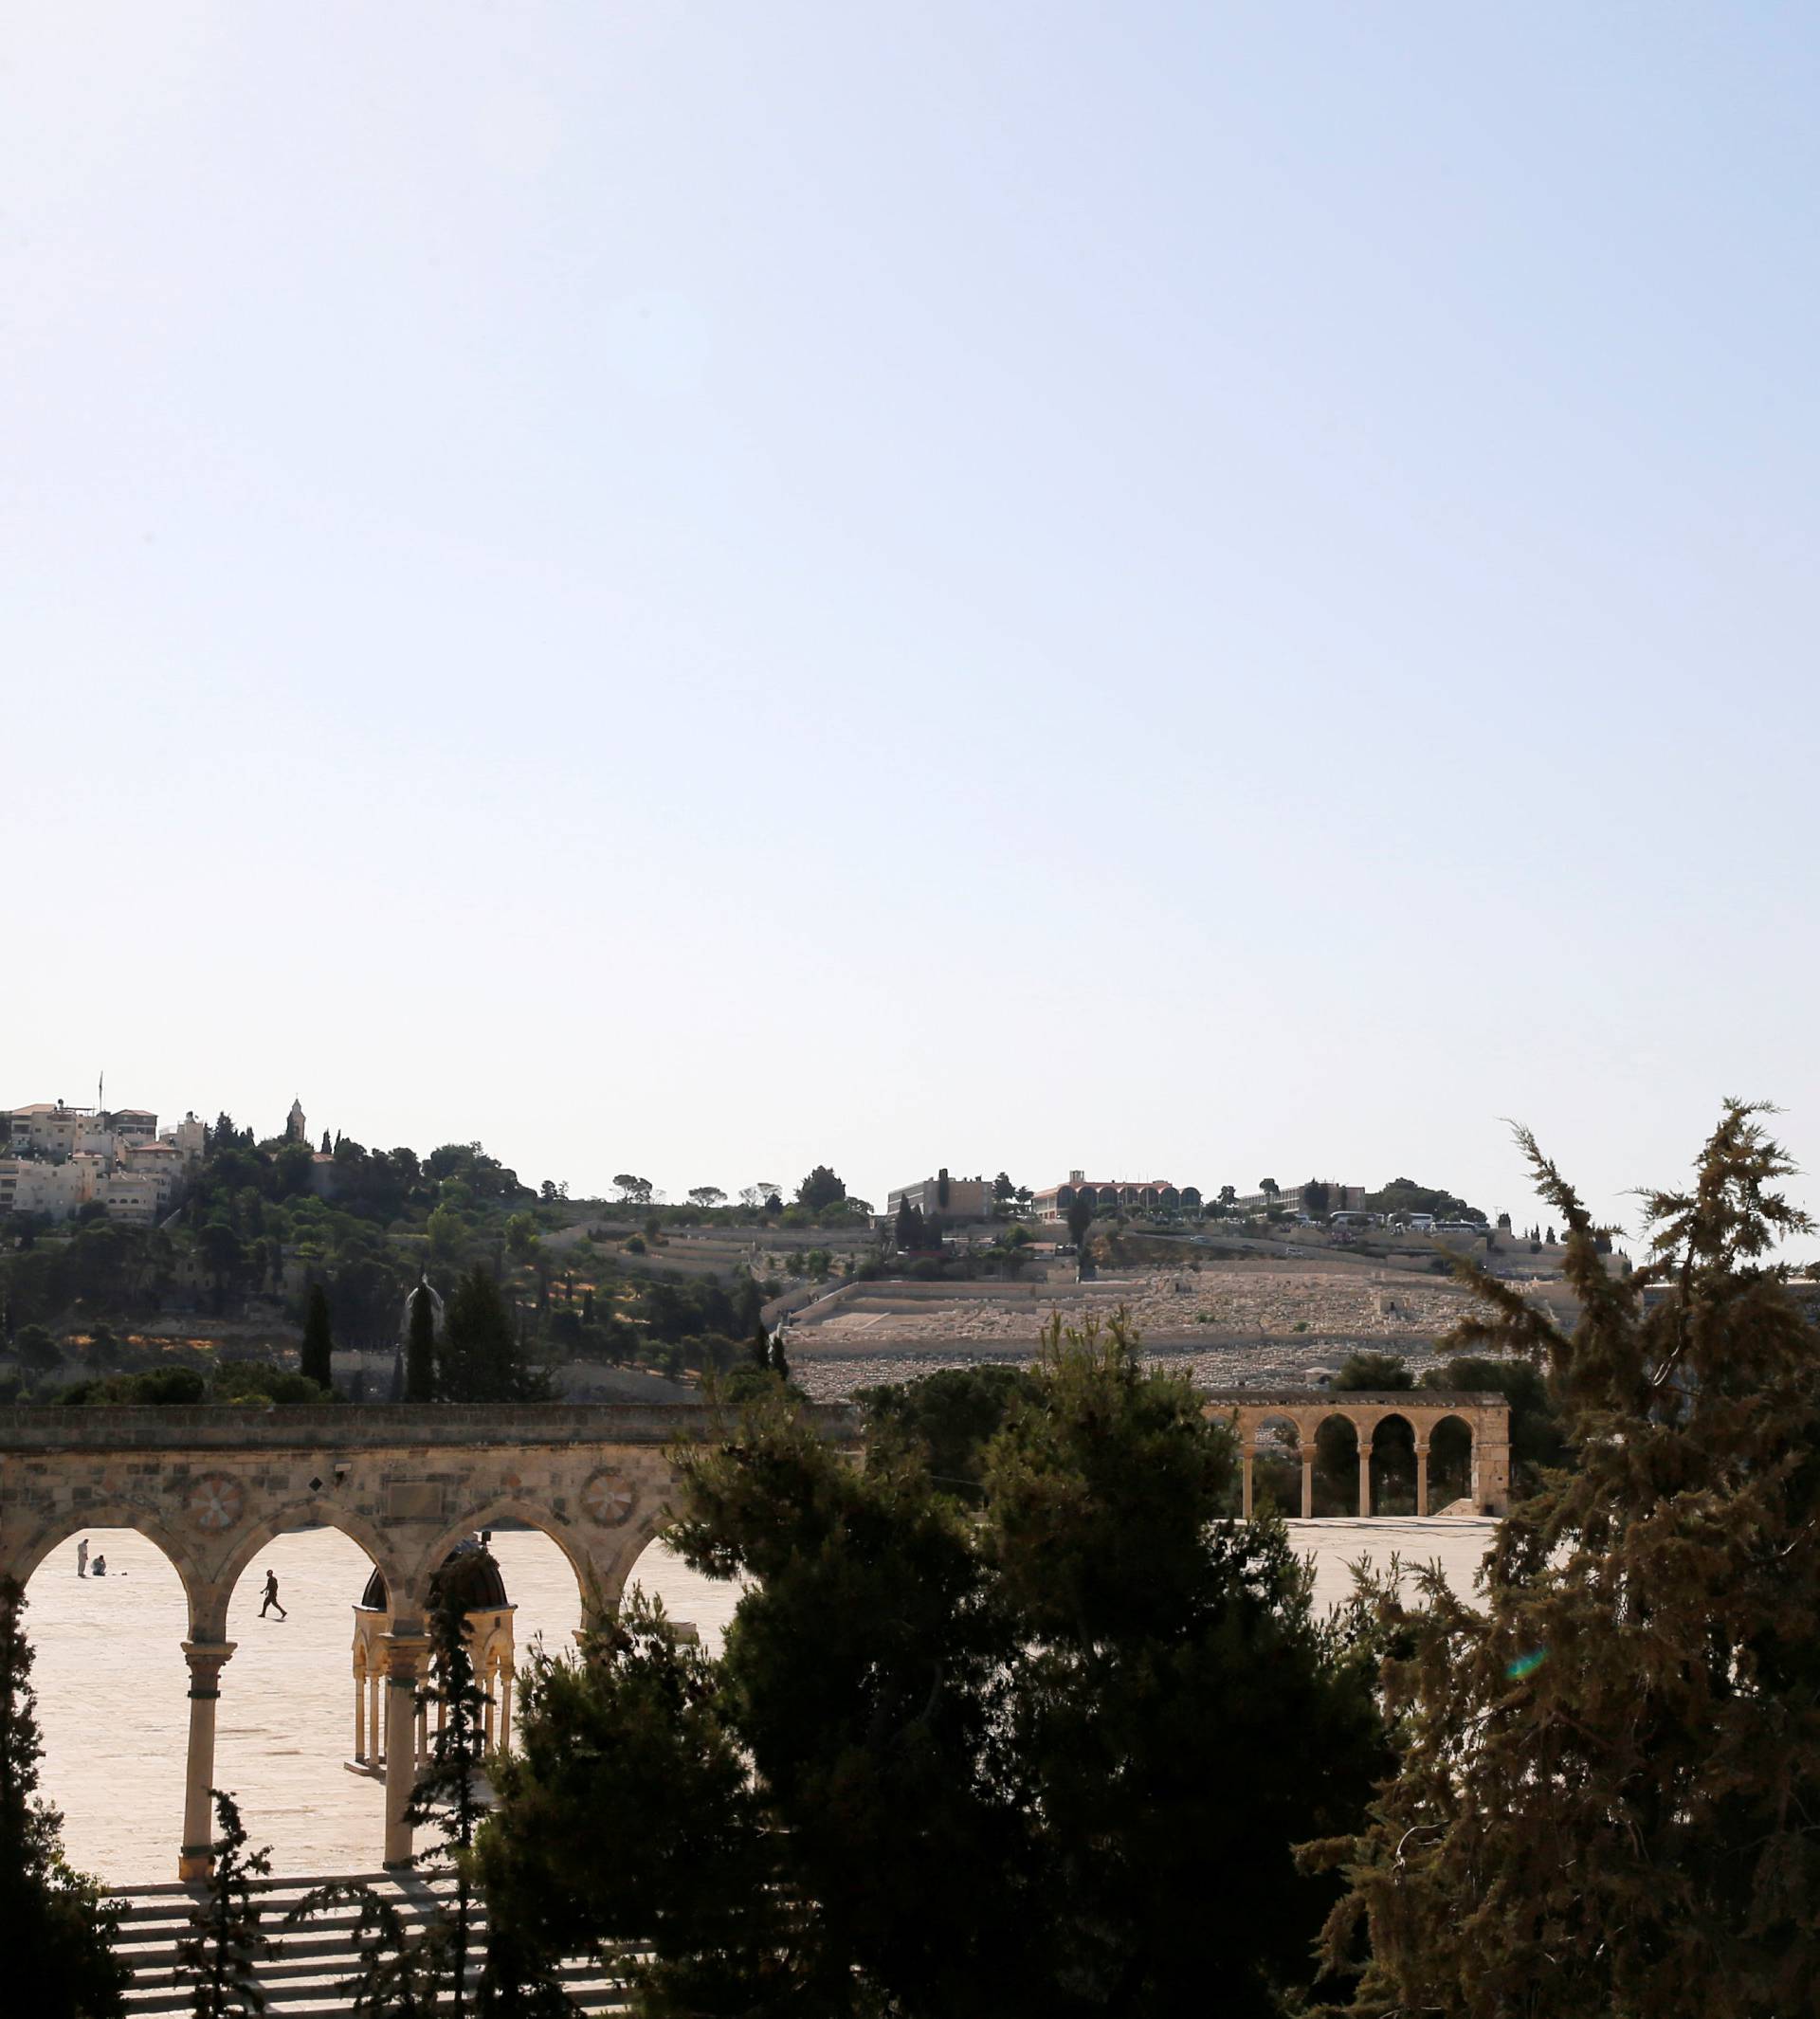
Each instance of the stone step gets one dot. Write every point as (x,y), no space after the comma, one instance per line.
(303,1969)
(326,1989)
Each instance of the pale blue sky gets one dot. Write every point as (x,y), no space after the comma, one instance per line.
(1187,590)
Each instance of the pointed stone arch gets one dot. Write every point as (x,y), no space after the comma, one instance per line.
(25,1554)
(488,1513)
(291,1518)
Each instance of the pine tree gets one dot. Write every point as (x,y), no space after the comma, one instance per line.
(55,1933)
(420,1348)
(219,1952)
(316,1361)
(1611,1775)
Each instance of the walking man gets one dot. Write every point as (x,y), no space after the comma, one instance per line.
(82,1557)
(271,1596)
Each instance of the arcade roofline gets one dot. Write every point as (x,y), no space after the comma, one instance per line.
(368,1427)
(1370,1397)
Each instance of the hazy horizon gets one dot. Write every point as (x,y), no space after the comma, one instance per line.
(1204,593)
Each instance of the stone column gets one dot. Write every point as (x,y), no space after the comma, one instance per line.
(375,1735)
(360,1715)
(1364,1479)
(1245,1462)
(505,1707)
(1421,1479)
(404,1651)
(1307,1483)
(206,1659)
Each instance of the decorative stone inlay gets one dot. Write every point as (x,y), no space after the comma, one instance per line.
(607,1499)
(215,1501)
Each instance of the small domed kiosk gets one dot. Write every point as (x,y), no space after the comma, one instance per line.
(488,1614)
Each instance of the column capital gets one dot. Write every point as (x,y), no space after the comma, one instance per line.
(207,1659)
(404,1654)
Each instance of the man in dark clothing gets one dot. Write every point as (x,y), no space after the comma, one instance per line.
(271,1596)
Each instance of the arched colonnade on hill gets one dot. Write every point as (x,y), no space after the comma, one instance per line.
(1255,1414)
(211,1488)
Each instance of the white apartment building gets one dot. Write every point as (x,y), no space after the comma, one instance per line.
(56,1159)
(36,1185)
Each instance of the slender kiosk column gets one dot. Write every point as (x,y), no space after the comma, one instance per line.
(1421,1479)
(206,1659)
(404,1651)
(1307,1483)
(1246,1463)
(1364,1479)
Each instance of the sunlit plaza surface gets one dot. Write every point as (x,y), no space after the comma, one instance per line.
(112,1684)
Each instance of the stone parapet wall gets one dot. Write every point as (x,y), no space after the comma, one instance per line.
(360,1427)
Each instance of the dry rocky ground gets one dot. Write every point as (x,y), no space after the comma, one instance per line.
(1227,1306)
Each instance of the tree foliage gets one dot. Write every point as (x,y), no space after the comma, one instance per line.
(821,1189)
(1611,1783)
(481,1359)
(1404,1195)
(1045,1754)
(947,1421)
(221,1952)
(316,1362)
(1367,1373)
(446,1794)
(55,1932)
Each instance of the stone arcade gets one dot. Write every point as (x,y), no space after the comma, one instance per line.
(212,1486)
(1303,1410)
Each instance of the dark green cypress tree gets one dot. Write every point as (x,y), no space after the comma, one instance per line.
(779,1366)
(759,1351)
(420,1346)
(221,1952)
(482,1359)
(55,1931)
(316,1362)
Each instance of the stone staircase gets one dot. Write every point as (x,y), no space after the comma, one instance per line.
(303,1969)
